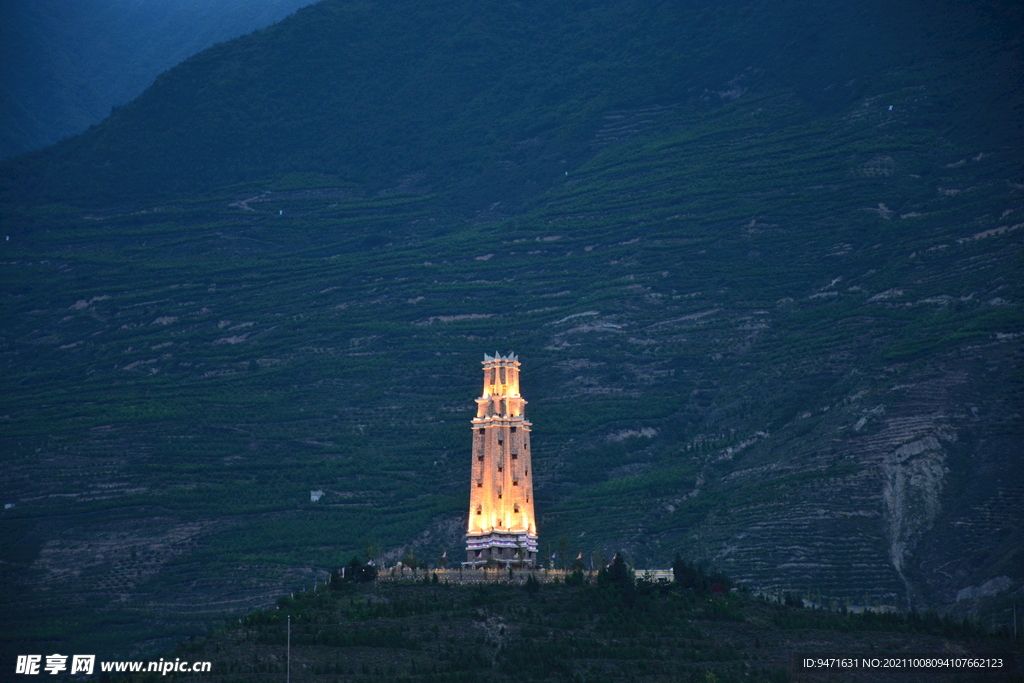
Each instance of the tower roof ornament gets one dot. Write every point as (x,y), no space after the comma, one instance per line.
(511,357)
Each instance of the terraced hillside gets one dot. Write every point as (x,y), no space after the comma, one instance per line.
(780,337)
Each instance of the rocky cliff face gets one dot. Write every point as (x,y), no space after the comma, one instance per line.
(906,503)
(913,487)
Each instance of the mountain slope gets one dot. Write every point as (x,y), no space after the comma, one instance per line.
(763,323)
(501,94)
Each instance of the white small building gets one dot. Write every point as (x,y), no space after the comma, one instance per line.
(314,496)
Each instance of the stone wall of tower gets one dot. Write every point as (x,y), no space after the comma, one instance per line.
(501,490)
(501,523)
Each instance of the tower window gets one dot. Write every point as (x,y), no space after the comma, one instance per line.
(515,509)
(479,512)
(500,442)
(512,429)
(500,468)
(515,482)
(479,458)
(515,456)
(479,484)
(481,430)
(499,496)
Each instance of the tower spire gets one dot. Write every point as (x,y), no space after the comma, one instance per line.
(502,526)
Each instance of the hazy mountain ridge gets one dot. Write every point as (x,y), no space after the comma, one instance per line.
(66,64)
(754,319)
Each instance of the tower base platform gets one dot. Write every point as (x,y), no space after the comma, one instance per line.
(516,550)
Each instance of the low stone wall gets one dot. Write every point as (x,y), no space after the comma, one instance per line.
(464,576)
(501,575)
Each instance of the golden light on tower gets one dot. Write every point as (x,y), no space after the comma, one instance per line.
(501,524)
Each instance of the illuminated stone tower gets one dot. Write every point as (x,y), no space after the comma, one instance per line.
(501,522)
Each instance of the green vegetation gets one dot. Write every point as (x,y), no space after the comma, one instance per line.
(606,629)
(736,294)
(494,102)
